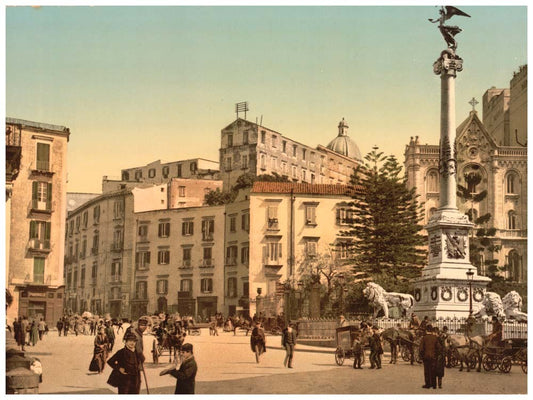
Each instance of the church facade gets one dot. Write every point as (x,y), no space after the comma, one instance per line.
(494,148)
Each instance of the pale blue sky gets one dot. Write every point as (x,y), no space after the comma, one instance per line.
(137,84)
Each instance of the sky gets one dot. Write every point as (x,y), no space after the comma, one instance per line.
(135,84)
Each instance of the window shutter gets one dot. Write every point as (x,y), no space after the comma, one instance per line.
(211,226)
(33,229)
(49,194)
(35,190)
(191,227)
(47,228)
(147,257)
(183,228)
(279,250)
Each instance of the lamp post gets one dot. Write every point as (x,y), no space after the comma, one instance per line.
(299,296)
(470,278)
(341,280)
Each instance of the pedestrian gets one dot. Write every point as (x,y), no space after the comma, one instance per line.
(342,322)
(20,335)
(110,333)
(142,325)
(258,341)
(101,346)
(59,326)
(41,327)
(119,326)
(66,326)
(441,356)
(46,328)
(26,329)
(429,348)
(357,348)
(34,336)
(186,373)
(288,340)
(394,343)
(414,323)
(126,374)
(423,326)
(92,327)
(376,349)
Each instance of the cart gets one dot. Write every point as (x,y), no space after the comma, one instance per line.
(512,351)
(344,337)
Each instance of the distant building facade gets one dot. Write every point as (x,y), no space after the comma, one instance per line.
(491,148)
(36,177)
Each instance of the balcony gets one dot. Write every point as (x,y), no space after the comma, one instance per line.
(207,263)
(231,260)
(184,294)
(116,247)
(207,237)
(39,245)
(41,206)
(116,279)
(94,251)
(273,223)
(186,264)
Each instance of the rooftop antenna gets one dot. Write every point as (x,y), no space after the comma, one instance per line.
(241,107)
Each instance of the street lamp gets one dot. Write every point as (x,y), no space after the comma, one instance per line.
(341,280)
(470,278)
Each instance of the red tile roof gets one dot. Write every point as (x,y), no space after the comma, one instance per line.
(302,188)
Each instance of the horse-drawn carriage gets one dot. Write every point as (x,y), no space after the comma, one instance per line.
(344,337)
(166,342)
(511,351)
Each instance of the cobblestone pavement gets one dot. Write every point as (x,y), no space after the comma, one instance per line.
(227,366)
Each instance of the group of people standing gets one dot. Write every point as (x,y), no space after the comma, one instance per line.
(288,341)
(28,333)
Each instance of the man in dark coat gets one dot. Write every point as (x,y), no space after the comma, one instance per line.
(376,349)
(125,364)
(20,335)
(288,340)
(258,341)
(59,326)
(110,335)
(142,325)
(429,350)
(186,374)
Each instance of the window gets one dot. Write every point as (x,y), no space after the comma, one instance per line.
(245,255)
(233,224)
(304,175)
(96,214)
(345,216)
(78,223)
(116,271)
(206,285)
(187,228)
(43,157)
(262,137)
(208,257)
(71,227)
(94,271)
(193,167)
(181,191)
(311,249)
(118,209)
(230,140)
(511,220)
(163,257)
(272,217)
(164,229)
(162,286)
(143,232)
(187,257)
(514,261)
(294,149)
(432,181)
(142,260)
(96,243)
(244,161)
(186,285)
(511,185)
(284,146)
(304,153)
(83,247)
(138,175)
(231,255)
(245,289)
(117,239)
(165,171)
(85,219)
(294,171)
(208,228)
(245,137)
(75,279)
(179,171)
(38,270)
(232,287)
(40,234)
(274,141)
(273,163)
(310,214)
(141,290)
(228,164)
(245,222)
(343,249)
(272,253)
(41,196)
(125,176)
(263,164)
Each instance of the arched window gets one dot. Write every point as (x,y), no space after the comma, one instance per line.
(515,266)
(512,184)
(432,181)
(511,220)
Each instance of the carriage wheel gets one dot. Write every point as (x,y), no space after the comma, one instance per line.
(505,364)
(453,358)
(155,352)
(339,356)
(472,360)
(406,355)
(524,366)
(489,363)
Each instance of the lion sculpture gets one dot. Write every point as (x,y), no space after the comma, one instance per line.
(382,300)
(512,305)
(490,306)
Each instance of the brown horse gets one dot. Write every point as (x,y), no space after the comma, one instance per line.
(402,337)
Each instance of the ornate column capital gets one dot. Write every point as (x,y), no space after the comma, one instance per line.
(448,63)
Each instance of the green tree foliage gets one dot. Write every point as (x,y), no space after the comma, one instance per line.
(387,242)
(482,239)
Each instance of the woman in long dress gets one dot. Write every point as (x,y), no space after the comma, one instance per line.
(101,347)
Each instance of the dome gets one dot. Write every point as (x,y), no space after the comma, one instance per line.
(342,144)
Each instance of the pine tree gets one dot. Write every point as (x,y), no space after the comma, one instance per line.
(385,228)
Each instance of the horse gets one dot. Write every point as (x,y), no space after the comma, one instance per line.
(467,349)
(241,324)
(171,340)
(401,337)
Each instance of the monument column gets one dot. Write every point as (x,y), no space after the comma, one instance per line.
(443,288)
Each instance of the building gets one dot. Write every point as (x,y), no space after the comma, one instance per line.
(35,217)
(247,147)
(492,148)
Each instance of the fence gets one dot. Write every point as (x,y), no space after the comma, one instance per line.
(325,328)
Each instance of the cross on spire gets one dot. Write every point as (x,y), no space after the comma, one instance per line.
(473,103)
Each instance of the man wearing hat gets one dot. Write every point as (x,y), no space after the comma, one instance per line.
(126,373)
(186,374)
(429,349)
(288,340)
(142,324)
(376,349)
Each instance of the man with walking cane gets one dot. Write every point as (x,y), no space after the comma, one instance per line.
(142,324)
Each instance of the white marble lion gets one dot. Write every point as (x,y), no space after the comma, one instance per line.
(382,300)
(512,305)
(491,306)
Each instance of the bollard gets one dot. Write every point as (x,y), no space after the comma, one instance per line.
(22,381)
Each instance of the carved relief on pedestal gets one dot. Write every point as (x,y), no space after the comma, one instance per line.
(478,294)
(435,245)
(455,244)
(446,293)
(434,294)
(462,294)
